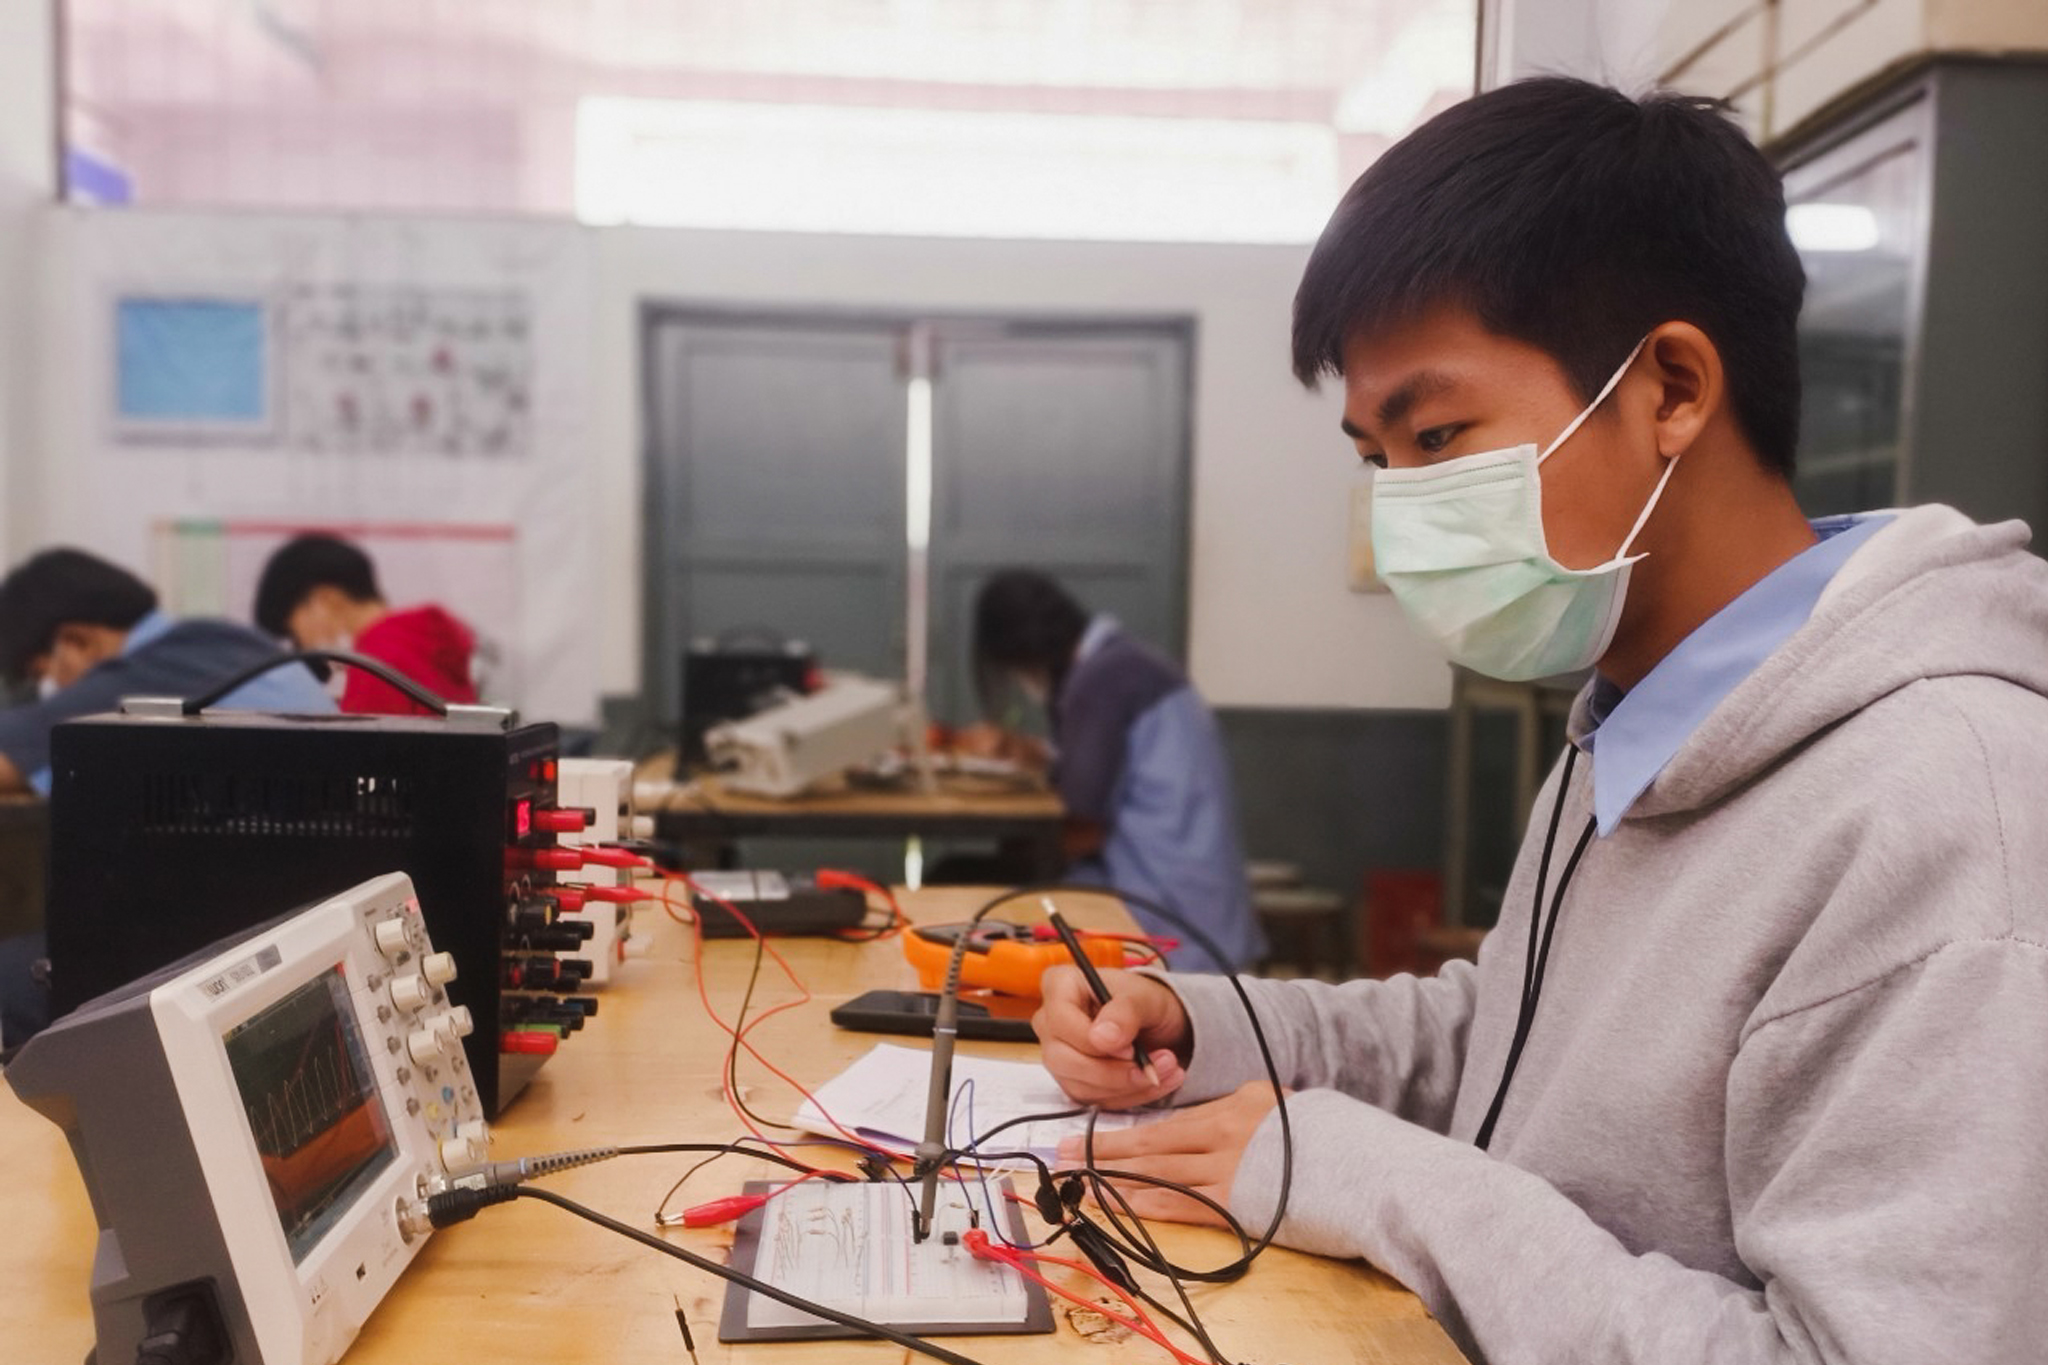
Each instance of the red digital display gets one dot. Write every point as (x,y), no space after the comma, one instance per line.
(522,818)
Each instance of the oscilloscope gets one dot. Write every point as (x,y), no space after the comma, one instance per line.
(252,1122)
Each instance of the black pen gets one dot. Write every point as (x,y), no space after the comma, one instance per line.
(1094,979)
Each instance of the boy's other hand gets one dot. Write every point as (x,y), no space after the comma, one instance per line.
(1200,1147)
(1087,1047)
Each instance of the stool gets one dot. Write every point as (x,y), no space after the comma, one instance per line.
(1266,875)
(1304,930)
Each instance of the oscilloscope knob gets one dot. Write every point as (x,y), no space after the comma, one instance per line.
(426,1045)
(438,968)
(462,1020)
(393,937)
(411,992)
(459,1153)
(448,1029)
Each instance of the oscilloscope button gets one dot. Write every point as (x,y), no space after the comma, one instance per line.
(438,968)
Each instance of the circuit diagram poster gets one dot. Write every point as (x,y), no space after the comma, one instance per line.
(408,370)
(337,371)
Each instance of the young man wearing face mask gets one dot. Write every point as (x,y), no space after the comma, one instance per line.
(320,592)
(1135,757)
(87,633)
(1751,1070)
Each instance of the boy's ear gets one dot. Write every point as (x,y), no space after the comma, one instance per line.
(1691,384)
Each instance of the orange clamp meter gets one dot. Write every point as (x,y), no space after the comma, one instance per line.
(1001,956)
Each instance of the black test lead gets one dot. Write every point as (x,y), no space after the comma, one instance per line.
(682,1321)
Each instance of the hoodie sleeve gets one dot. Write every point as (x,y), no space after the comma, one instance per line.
(1397,1044)
(1888,1178)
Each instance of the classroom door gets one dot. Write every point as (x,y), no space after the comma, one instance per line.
(776,489)
(778,465)
(1062,447)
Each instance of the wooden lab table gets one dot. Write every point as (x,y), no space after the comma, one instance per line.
(1025,821)
(529,1283)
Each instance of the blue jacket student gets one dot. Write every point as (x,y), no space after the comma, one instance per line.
(88,633)
(1135,757)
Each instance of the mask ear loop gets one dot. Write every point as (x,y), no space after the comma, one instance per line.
(1648,507)
(1594,406)
(1588,411)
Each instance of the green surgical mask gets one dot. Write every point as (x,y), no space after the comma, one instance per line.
(1461,546)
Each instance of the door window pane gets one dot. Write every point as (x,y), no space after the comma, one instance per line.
(1856,235)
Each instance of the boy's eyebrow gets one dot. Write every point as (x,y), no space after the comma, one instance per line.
(1416,387)
(1397,405)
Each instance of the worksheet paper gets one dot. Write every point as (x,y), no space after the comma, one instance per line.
(881,1097)
(848,1246)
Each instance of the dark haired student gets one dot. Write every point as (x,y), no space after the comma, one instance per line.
(1753,1069)
(320,592)
(1135,757)
(87,633)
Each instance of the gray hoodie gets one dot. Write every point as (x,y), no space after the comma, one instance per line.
(1786,1094)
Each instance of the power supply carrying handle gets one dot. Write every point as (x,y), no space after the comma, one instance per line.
(502,717)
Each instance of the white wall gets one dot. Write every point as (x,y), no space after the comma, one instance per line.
(1271,624)
(27,172)
(91,487)
(1613,41)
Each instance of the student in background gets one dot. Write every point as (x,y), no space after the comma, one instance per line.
(1135,756)
(87,633)
(320,592)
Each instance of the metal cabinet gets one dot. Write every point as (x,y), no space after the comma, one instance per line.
(1921,213)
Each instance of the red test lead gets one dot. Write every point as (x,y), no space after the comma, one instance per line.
(569,820)
(575,897)
(604,855)
(724,1210)
(544,859)
(570,859)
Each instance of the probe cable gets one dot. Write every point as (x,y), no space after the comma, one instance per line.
(453,1206)
(1124,1242)
(1107,1271)
(459,1204)
(738,1035)
(1067,1220)
(1235,1269)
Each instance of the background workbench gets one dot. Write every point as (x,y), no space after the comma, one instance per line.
(1022,821)
(527,1283)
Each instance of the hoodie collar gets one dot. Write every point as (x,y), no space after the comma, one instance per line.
(1930,595)
(1633,735)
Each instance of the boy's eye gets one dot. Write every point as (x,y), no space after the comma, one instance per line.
(1434,440)
(1376,461)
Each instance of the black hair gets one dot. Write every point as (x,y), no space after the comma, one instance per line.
(64,587)
(1574,218)
(304,563)
(1023,619)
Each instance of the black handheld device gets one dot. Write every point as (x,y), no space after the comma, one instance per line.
(912,1012)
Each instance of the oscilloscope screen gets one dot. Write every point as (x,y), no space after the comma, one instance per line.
(312,1104)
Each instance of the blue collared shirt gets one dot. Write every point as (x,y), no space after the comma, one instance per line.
(1635,734)
(161,656)
(1162,789)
